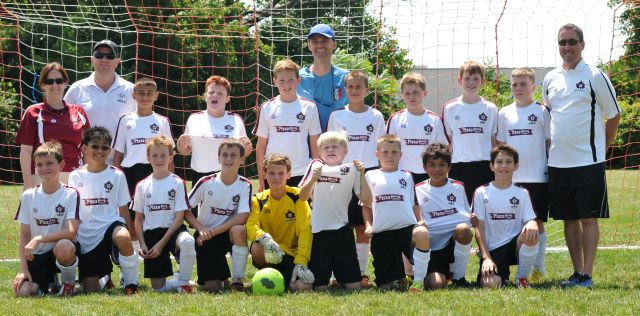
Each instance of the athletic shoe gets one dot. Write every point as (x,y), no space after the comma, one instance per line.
(461,283)
(573,280)
(522,283)
(365,283)
(237,286)
(537,276)
(131,289)
(334,283)
(585,281)
(185,288)
(67,289)
(416,287)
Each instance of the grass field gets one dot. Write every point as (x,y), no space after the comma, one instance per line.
(616,290)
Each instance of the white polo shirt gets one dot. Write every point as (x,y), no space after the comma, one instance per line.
(363,130)
(470,127)
(133,133)
(580,100)
(393,199)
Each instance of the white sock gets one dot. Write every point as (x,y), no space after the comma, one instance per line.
(129,268)
(362,250)
(68,273)
(542,251)
(170,285)
(136,246)
(239,261)
(420,264)
(103,281)
(461,256)
(187,257)
(526,257)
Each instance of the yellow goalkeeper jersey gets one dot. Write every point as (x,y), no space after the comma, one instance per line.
(287,220)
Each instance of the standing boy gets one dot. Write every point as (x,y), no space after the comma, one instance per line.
(524,125)
(471,125)
(287,123)
(103,234)
(507,233)
(160,201)
(49,219)
(363,125)
(279,226)
(330,183)
(225,201)
(395,223)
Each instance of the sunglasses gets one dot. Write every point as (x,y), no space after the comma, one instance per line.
(49,81)
(96,147)
(571,42)
(99,55)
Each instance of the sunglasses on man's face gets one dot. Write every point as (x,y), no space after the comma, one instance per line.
(101,147)
(50,81)
(99,55)
(571,42)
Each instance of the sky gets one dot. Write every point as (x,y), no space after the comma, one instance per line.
(445,33)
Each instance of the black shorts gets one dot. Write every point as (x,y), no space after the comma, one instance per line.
(42,269)
(473,174)
(441,259)
(334,251)
(355,209)
(539,193)
(579,192)
(211,258)
(387,248)
(504,257)
(160,267)
(135,174)
(419,177)
(98,261)
(195,177)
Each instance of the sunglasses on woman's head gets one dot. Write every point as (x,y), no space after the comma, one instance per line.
(99,55)
(49,81)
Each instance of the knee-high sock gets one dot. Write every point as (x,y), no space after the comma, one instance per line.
(239,261)
(129,268)
(187,257)
(362,250)
(526,257)
(420,264)
(542,252)
(170,285)
(461,256)
(68,273)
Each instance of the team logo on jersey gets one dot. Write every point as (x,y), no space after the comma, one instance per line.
(80,184)
(416,142)
(300,117)
(502,216)
(457,117)
(428,129)
(53,121)
(172,194)
(210,192)
(288,129)
(520,132)
(130,125)
(344,170)
(34,210)
(228,127)
(482,117)
(337,93)
(580,85)
(470,130)
(273,116)
(108,187)
(159,207)
(59,210)
(370,129)
(75,120)
(532,119)
(122,98)
(289,216)
(96,201)
(451,198)
(514,201)
(154,128)
(138,141)
(236,199)
(222,212)
(425,199)
(358,138)
(447,212)
(46,221)
(329,179)
(389,198)
(148,195)
(403,183)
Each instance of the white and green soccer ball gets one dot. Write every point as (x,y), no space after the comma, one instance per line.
(267,281)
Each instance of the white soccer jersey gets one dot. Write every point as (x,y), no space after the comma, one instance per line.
(207,132)
(332,194)
(393,199)
(527,130)
(580,99)
(363,131)
(219,202)
(159,200)
(101,195)
(416,133)
(287,127)
(504,212)
(470,127)
(48,213)
(443,208)
(134,132)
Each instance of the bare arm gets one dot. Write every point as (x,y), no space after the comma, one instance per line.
(25,166)
(365,192)
(124,213)
(306,190)
(611,127)
(138,223)
(367,215)
(313,146)
(117,159)
(261,150)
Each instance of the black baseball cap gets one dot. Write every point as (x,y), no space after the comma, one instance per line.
(106,43)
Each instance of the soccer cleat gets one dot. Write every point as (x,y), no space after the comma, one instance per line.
(522,283)
(67,289)
(537,276)
(416,287)
(237,286)
(185,288)
(461,283)
(573,280)
(365,283)
(585,281)
(131,289)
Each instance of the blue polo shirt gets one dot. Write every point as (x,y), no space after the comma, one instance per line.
(327,92)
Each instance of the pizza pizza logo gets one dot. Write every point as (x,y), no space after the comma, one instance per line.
(482,117)
(580,85)
(59,210)
(451,198)
(172,194)
(344,170)
(108,186)
(514,202)
(300,117)
(403,183)
(428,129)
(154,128)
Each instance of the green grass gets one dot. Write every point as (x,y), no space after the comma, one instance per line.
(617,281)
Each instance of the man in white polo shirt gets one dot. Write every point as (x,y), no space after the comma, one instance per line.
(104,95)
(584,119)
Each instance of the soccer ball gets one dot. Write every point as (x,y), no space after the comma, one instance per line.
(267,281)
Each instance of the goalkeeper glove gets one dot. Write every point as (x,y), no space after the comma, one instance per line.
(302,272)
(272,252)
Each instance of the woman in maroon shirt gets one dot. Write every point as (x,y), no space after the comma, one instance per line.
(53,119)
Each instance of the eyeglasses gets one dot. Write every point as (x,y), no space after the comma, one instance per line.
(96,147)
(49,81)
(571,42)
(99,55)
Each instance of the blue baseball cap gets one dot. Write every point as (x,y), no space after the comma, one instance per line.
(322,29)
